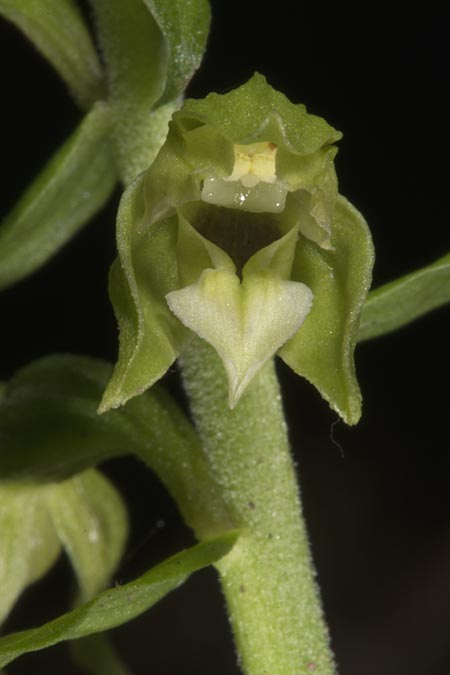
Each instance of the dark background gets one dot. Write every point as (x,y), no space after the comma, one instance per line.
(378,508)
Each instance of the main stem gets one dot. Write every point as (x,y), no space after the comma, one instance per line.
(268,578)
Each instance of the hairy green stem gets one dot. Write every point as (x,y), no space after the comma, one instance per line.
(268,578)
(135,55)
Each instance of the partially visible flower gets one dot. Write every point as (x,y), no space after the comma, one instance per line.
(237,230)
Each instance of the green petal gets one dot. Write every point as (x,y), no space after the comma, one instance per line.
(150,337)
(277,258)
(70,189)
(401,301)
(322,350)
(90,519)
(57,29)
(118,605)
(85,514)
(196,253)
(28,542)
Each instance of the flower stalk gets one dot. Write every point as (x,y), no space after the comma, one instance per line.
(268,578)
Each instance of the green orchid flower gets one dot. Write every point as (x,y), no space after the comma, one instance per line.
(237,233)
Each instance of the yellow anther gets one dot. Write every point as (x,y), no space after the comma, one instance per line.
(253,163)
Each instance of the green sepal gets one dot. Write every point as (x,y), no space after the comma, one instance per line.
(150,336)
(28,543)
(257,112)
(403,300)
(90,520)
(57,29)
(120,604)
(322,350)
(69,190)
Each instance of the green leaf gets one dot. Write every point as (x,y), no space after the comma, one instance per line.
(322,350)
(120,604)
(401,301)
(90,519)
(70,189)
(50,430)
(57,29)
(185,27)
(28,542)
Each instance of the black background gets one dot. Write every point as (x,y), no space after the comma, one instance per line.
(378,509)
